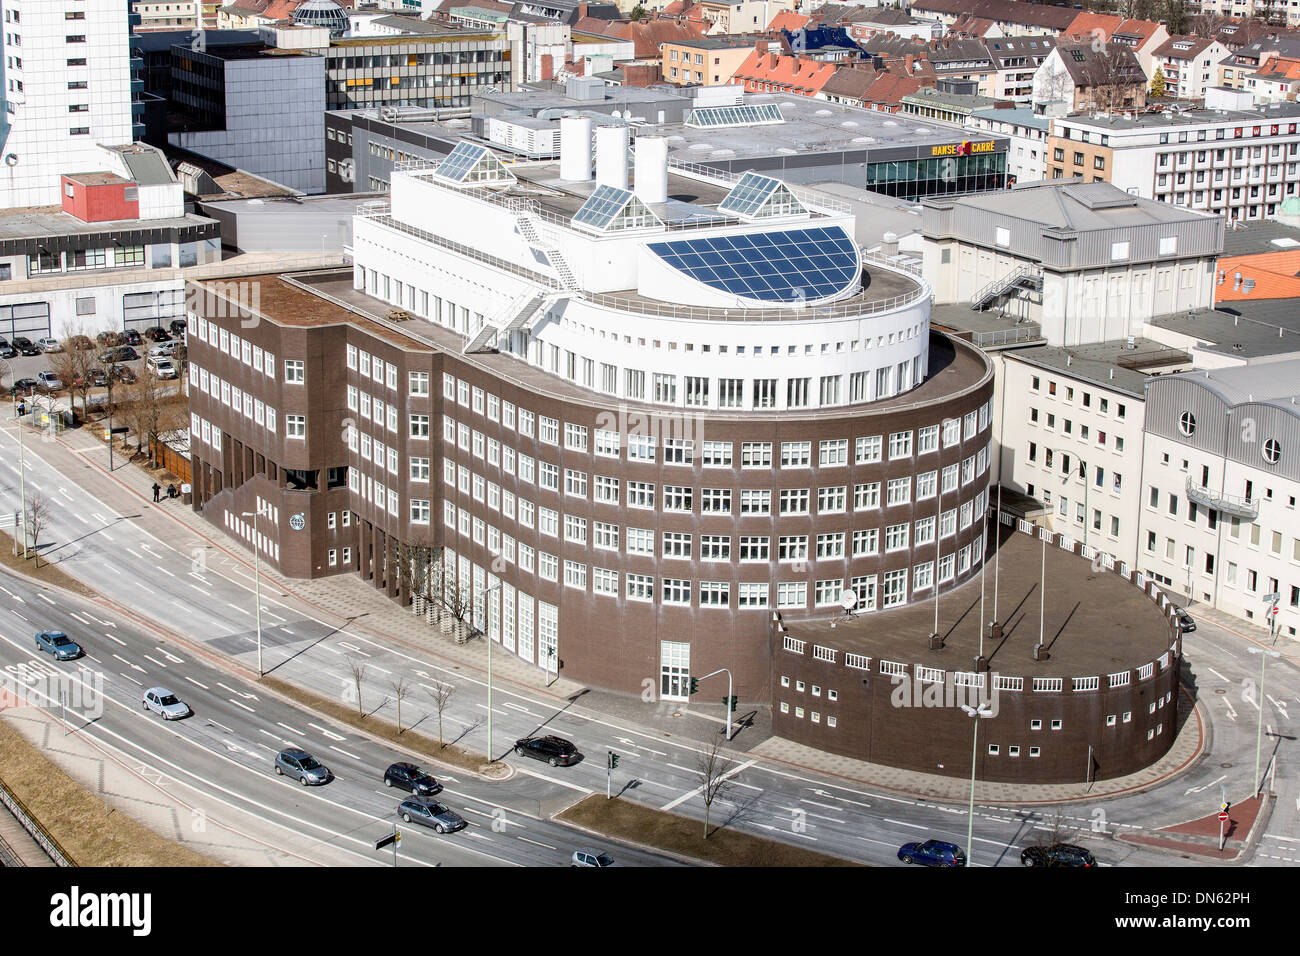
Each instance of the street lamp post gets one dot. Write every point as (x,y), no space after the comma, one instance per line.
(935,640)
(22,470)
(257,585)
(1264,655)
(487,632)
(983,711)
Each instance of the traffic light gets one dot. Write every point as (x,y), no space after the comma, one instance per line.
(729,702)
(613,760)
(695,684)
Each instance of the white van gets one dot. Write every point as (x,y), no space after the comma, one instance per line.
(162,367)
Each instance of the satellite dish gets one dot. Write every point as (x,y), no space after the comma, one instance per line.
(848,599)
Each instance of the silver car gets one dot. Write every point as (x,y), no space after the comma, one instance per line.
(430,813)
(164,703)
(300,764)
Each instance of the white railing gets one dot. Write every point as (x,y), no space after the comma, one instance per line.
(823,653)
(1009,683)
(1086,683)
(930,675)
(1048,685)
(793,646)
(857,661)
(1146,670)
(967,679)
(893,668)
(1121,679)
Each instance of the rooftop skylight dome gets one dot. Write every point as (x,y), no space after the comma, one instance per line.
(322,13)
(471,164)
(611,209)
(762,197)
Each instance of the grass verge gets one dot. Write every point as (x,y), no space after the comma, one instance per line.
(624,820)
(90,831)
(46,573)
(347,714)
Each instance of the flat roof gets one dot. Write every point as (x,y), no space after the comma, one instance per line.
(1093,623)
(96,179)
(1016,115)
(43,222)
(954,367)
(1242,329)
(1188,117)
(811,126)
(1247,237)
(1099,363)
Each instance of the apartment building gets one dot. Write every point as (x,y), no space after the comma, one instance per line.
(67,91)
(1027,135)
(1236,163)
(1189,65)
(1221,478)
(707,61)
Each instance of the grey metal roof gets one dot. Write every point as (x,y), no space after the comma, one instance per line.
(1091,363)
(1248,237)
(147,165)
(1018,116)
(1244,330)
(1077,206)
(1274,382)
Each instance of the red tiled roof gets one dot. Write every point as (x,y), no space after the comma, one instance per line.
(1279,68)
(1274,274)
(796,73)
(787,20)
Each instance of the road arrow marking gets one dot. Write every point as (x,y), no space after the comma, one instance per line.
(1205,787)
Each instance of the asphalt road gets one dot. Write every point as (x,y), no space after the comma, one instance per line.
(207,596)
(222,754)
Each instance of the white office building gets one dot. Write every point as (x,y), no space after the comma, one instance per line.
(67,92)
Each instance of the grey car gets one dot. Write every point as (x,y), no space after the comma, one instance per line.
(300,764)
(430,813)
(164,703)
(591,858)
(58,645)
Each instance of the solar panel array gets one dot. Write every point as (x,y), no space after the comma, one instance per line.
(757,196)
(612,208)
(792,265)
(717,117)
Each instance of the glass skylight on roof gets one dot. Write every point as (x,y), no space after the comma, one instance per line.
(761,197)
(471,163)
(792,265)
(610,209)
(715,117)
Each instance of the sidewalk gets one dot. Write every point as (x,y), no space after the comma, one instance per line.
(347,601)
(1287,646)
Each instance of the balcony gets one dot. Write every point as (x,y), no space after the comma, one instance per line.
(1247,508)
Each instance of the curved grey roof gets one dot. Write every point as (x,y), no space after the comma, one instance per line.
(1272,383)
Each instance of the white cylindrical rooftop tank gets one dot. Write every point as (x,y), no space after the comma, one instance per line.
(575,148)
(652,169)
(611,156)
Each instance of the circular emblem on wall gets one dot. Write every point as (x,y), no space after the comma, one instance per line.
(297,522)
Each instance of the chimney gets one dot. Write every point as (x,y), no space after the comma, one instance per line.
(582,11)
(760,46)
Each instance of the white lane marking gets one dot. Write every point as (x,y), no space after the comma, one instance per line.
(238,704)
(698,790)
(239,692)
(376,667)
(554,780)
(77,617)
(495,710)
(19,615)
(344,752)
(159,663)
(221,725)
(78,516)
(171,657)
(900,823)
(1218,675)
(514,706)
(41,595)
(328,733)
(354,648)
(145,588)
(165,571)
(300,733)
(131,679)
(128,663)
(112,638)
(535,843)
(196,683)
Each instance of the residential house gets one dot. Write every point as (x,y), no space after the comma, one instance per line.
(704,61)
(1189,65)
(1079,76)
(770,72)
(1278,82)
(1010,17)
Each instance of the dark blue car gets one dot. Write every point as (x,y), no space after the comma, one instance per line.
(932,853)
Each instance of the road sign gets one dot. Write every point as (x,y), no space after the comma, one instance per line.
(394,837)
(1223,816)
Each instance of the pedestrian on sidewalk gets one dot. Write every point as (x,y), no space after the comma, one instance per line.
(156,489)
(171,491)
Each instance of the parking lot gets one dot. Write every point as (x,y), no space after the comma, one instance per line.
(30,367)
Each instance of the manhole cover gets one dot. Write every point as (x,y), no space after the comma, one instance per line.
(1220,690)
(1225,766)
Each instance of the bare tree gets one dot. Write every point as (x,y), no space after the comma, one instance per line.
(75,364)
(38,516)
(441,694)
(717,775)
(1115,78)
(358,670)
(152,408)
(401,690)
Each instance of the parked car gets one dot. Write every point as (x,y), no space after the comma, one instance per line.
(7,350)
(49,381)
(119,353)
(164,703)
(177,326)
(49,345)
(132,337)
(108,338)
(25,346)
(162,367)
(300,764)
(95,378)
(163,350)
(932,853)
(80,343)
(1185,621)
(409,777)
(124,374)
(24,386)
(1058,854)
(591,858)
(430,813)
(157,334)
(58,645)
(556,751)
